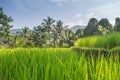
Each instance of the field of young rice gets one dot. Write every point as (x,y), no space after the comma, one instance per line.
(56,64)
(108,41)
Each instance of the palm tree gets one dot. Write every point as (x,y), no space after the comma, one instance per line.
(58,34)
(70,37)
(39,36)
(48,24)
(5,27)
(25,32)
(79,33)
(26,36)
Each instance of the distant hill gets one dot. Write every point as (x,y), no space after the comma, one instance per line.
(75,28)
(14,31)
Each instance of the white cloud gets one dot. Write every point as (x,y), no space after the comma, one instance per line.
(78,16)
(108,10)
(79,22)
(59,2)
(90,15)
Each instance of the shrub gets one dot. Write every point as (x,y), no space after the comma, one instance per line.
(106,41)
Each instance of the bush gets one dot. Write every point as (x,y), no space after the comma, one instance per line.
(65,45)
(106,41)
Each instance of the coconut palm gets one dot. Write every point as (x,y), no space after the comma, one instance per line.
(69,37)
(48,24)
(79,33)
(5,28)
(25,32)
(39,36)
(26,35)
(58,34)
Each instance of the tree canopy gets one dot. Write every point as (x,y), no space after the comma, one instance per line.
(5,28)
(51,33)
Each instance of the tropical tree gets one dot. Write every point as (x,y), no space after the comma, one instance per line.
(26,35)
(117,24)
(58,34)
(16,39)
(39,36)
(79,33)
(92,27)
(48,24)
(70,37)
(106,25)
(5,28)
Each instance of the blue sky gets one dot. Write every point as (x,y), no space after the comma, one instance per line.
(72,12)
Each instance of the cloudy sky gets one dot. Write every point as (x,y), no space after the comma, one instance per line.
(72,12)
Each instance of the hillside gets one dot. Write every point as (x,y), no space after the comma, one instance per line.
(75,28)
(14,31)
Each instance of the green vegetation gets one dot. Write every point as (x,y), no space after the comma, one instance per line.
(44,53)
(5,29)
(52,33)
(107,41)
(56,64)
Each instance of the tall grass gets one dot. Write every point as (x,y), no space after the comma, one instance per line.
(55,64)
(107,41)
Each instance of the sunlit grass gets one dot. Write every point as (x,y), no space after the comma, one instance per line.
(106,41)
(56,64)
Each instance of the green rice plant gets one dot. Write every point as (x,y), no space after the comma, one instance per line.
(55,64)
(106,41)
(86,42)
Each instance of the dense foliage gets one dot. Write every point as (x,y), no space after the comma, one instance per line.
(106,41)
(5,28)
(52,33)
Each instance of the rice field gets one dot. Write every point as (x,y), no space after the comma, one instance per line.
(108,41)
(56,64)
